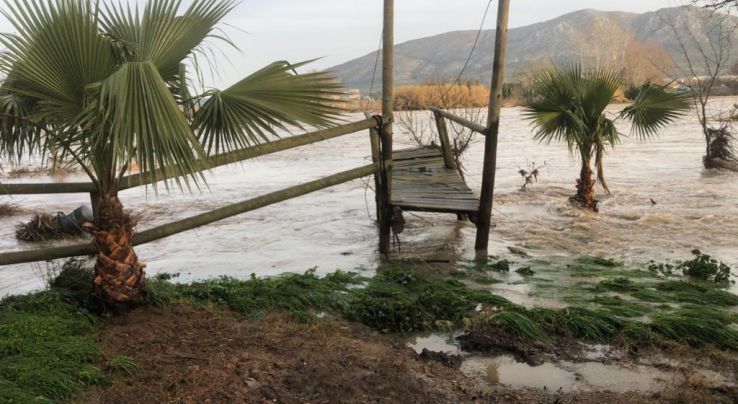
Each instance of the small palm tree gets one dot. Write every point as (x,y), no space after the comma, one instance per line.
(570,108)
(107,86)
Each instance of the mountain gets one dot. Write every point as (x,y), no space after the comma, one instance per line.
(561,39)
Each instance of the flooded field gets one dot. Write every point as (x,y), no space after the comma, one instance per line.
(663,205)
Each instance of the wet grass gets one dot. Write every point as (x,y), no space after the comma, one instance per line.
(123,364)
(697,326)
(47,348)
(599,261)
(403,299)
(510,323)
(397,299)
(617,306)
(9,209)
(48,351)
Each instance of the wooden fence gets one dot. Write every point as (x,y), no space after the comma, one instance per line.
(166,230)
(380,128)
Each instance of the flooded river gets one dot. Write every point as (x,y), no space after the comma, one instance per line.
(334,228)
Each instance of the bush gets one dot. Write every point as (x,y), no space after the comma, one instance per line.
(705,268)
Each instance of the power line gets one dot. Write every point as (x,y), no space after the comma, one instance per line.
(471,52)
(376,63)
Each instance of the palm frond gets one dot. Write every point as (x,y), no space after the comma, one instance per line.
(146,125)
(160,35)
(554,111)
(57,52)
(598,91)
(610,137)
(19,135)
(252,110)
(653,109)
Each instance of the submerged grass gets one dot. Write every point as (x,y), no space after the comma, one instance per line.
(617,306)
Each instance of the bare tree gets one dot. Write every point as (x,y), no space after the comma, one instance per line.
(421,125)
(644,62)
(718,5)
(607,44)
(704,58)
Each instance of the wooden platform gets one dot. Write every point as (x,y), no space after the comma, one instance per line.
(421,182)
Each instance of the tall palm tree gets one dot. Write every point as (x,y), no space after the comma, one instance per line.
(570,107)
(107,86)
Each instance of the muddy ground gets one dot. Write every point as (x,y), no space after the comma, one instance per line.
(208,355)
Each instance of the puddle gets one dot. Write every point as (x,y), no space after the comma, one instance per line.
(445,343)
(505,370)
(565,376)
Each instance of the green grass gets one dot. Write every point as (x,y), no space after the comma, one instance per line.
(48,352)
(512,324)
(651,295)
(397,299)
(123,364)
(617,306)
(402,299)
(47,348)
(620,284)
(697,326)
(603,262)
(485,280)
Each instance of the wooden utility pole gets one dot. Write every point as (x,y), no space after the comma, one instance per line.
(493,128)
(385,220)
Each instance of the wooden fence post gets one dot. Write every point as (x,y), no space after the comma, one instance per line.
(385,223)
(493,128)
(376,159)
(448,155)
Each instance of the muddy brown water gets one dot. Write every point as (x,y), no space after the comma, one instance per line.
(334,228)
(596,371)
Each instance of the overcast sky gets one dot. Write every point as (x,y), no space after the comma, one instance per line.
(340,30)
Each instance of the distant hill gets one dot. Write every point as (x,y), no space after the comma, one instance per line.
(560,39)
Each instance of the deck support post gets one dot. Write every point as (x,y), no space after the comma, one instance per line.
(448,154)
(493,126)
(385,219)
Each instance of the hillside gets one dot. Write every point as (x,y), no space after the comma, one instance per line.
(561,39)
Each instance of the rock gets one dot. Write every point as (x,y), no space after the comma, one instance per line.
(252,383)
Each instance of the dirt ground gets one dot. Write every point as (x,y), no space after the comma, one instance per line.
(200,355)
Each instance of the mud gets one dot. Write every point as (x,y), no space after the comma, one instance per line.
(207,355)
(203,355)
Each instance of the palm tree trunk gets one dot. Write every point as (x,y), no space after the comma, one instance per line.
(585,189)
(119,280)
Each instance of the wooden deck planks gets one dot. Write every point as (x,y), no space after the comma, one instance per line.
(421,182)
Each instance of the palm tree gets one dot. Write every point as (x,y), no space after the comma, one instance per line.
(570,107)
(108,87)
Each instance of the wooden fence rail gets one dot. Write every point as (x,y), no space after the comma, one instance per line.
(137,180)
(461,121)
(169,229)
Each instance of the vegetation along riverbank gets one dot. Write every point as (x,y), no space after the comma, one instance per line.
(238,340)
